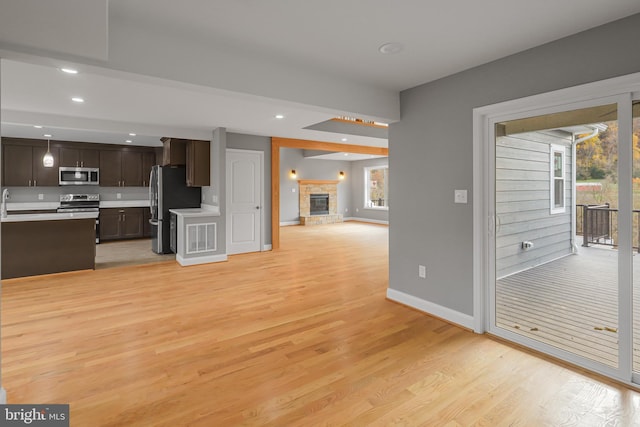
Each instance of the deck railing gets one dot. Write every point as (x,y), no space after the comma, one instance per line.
(598,224)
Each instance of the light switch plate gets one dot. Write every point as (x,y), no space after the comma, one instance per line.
(460,196)
(118,196)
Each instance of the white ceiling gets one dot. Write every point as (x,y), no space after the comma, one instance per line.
(266,44)
(441,37)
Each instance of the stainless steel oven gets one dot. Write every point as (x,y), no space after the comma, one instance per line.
(78,176)
(82,203)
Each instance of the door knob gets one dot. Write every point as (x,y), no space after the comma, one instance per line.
(257,207)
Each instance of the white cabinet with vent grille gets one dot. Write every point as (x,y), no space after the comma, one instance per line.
(196,236)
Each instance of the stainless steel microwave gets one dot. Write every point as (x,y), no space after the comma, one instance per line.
(78,176)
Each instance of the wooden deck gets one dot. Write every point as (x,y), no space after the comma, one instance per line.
(571,303)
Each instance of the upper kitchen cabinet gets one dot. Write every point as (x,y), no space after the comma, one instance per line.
(131,168)
(198,173)
(120,168)
(148,161)
(43,176)
(174,151)
(22,164)
(110,168)
(78,157)
(192,154)
(125,167)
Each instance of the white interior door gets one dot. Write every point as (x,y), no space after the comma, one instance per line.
(244,201)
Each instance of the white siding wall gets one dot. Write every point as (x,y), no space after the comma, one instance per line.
(523,176)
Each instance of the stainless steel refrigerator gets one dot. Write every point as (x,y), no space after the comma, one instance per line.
(168,190)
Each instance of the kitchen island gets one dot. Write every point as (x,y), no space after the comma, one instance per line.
(43,243)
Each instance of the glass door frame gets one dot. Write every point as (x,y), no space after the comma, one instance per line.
(621,91)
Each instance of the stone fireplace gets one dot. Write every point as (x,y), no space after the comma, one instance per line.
(318,202)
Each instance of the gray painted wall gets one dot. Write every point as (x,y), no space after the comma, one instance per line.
(430,152)
(217,189)
(309,168)
(356,177)
(523,201)
(258,143)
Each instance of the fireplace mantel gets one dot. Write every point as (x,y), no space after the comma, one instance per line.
(317,181)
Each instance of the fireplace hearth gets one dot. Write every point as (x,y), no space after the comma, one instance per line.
(319,204)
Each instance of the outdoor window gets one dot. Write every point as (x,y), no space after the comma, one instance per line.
(557,179)
(376,187)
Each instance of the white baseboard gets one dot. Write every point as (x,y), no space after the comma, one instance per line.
(436,310)
(266,248)
(200,260)
(373,221)
(288,223)
(3,396)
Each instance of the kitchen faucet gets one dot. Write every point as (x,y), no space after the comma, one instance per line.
(5,196)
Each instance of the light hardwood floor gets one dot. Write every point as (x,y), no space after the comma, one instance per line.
(302,336)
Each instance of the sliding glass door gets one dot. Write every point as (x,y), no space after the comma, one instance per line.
(556,242)
(635,179)
(564,230)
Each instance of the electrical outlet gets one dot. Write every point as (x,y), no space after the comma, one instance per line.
(214,198)
(118,196)
(357,210)
(40,196)
(346,209)
(422,271)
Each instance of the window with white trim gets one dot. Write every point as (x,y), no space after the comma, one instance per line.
(557,179)
(376,187)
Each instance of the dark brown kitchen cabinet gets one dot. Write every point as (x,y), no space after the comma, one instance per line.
(44,176)
(17,171)
(120,168)
(174,151)
(148,161)
(121,223)
(110,168)
(198,174)
(75,157)
(190,153)
(131,169)
(22,165)
(146,225)
(109,224)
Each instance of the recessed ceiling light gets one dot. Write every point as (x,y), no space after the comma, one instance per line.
(391,48)
(128,141)
(69,70)
(77,99)
(279,116)
(344,140)
(46,135)
(132,134)
(37,126)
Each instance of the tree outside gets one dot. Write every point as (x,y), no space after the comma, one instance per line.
(597,167)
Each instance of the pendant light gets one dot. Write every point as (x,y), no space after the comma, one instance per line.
(47,160)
